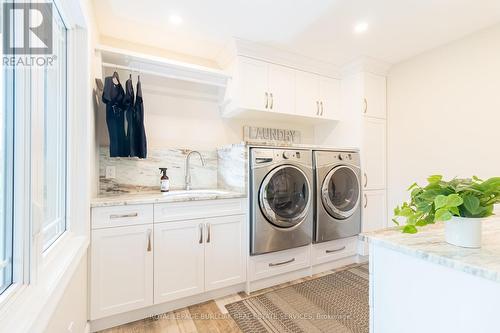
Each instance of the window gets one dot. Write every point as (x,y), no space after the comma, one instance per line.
(54,159)
(6,191)
(33,156)
(6,170)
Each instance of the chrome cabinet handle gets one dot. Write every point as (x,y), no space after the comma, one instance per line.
(366,179)
(208,231)
(317,108)
(272,101)
(336,250)
(321,103)
(201,233)
(149,240)
(267,100)
(366,201)
(122,216)
(365,108)
(281,263)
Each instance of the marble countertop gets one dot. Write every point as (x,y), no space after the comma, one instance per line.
(429,244)
(120,199)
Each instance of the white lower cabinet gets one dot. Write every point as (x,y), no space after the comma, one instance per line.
(198,255)
(178,264)
(225,255)
(122,269)
(374,210)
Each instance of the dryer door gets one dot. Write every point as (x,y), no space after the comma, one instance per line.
(340,192)
(284,196)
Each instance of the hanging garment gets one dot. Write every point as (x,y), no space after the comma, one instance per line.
(138,144)
(128,103)
(112,96)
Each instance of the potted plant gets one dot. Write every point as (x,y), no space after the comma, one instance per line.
(463,203)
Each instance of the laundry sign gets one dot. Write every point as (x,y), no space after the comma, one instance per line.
(265,135)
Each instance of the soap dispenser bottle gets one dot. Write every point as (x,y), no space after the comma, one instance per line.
(164,181)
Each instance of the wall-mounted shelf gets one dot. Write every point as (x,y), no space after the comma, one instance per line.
(152,65)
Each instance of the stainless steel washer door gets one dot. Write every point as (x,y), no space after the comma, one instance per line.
(285,196)
(340,192)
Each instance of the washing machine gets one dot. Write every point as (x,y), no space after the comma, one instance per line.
(337,195)
(281,199)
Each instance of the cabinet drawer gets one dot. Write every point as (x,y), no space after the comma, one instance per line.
(117,216)
(334,250)
(267,265)
(176,211)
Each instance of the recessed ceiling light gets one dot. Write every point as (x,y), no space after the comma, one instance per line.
(360,27)
(175,19)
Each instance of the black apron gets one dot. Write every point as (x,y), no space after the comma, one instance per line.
(113,96)
(138,143)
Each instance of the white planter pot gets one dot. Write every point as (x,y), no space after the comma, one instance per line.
(463,231)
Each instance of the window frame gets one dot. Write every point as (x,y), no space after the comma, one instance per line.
(41,276)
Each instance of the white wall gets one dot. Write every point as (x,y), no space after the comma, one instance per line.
(71,312)
(444,113)
(186,115)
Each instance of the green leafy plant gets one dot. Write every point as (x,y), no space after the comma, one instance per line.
(440,200)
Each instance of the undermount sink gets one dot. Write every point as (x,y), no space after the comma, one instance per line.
(193,192)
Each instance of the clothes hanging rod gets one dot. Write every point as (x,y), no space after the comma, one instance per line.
(169,76)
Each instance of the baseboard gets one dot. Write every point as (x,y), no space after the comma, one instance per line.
(127,317)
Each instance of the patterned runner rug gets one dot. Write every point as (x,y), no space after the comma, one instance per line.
(336,303)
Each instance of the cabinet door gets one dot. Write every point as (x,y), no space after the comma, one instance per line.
(178,260)
(121,269)
(374,153)
(307,94)
(282,89)
(253,78)
(329,98)
(225,252)
(374,211)
(375,96)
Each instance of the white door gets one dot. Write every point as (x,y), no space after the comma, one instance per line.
(374,210)
(122,269)
(307,94)
(329,91)
(281,89)
(225,252)
(179,262)
(253,78)
(374,154)
(375,96)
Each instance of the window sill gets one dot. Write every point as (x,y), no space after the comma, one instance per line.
(30,307)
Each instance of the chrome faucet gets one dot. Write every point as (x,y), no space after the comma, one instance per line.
(188,172)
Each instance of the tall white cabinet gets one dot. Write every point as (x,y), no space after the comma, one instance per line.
(364,126)
(373,150)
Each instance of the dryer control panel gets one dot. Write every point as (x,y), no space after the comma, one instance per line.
(263,156)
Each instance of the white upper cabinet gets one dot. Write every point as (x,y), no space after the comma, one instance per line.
(253,76)
(374,153)
(281,89)
(179,263)
(122,269)
(317,96)
(264,86)
(225,251)
(374,100)
(329,98)
(307,97)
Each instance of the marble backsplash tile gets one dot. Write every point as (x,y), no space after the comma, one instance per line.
(138,175)
(232,169)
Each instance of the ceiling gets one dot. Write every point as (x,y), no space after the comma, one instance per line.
(321,29)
